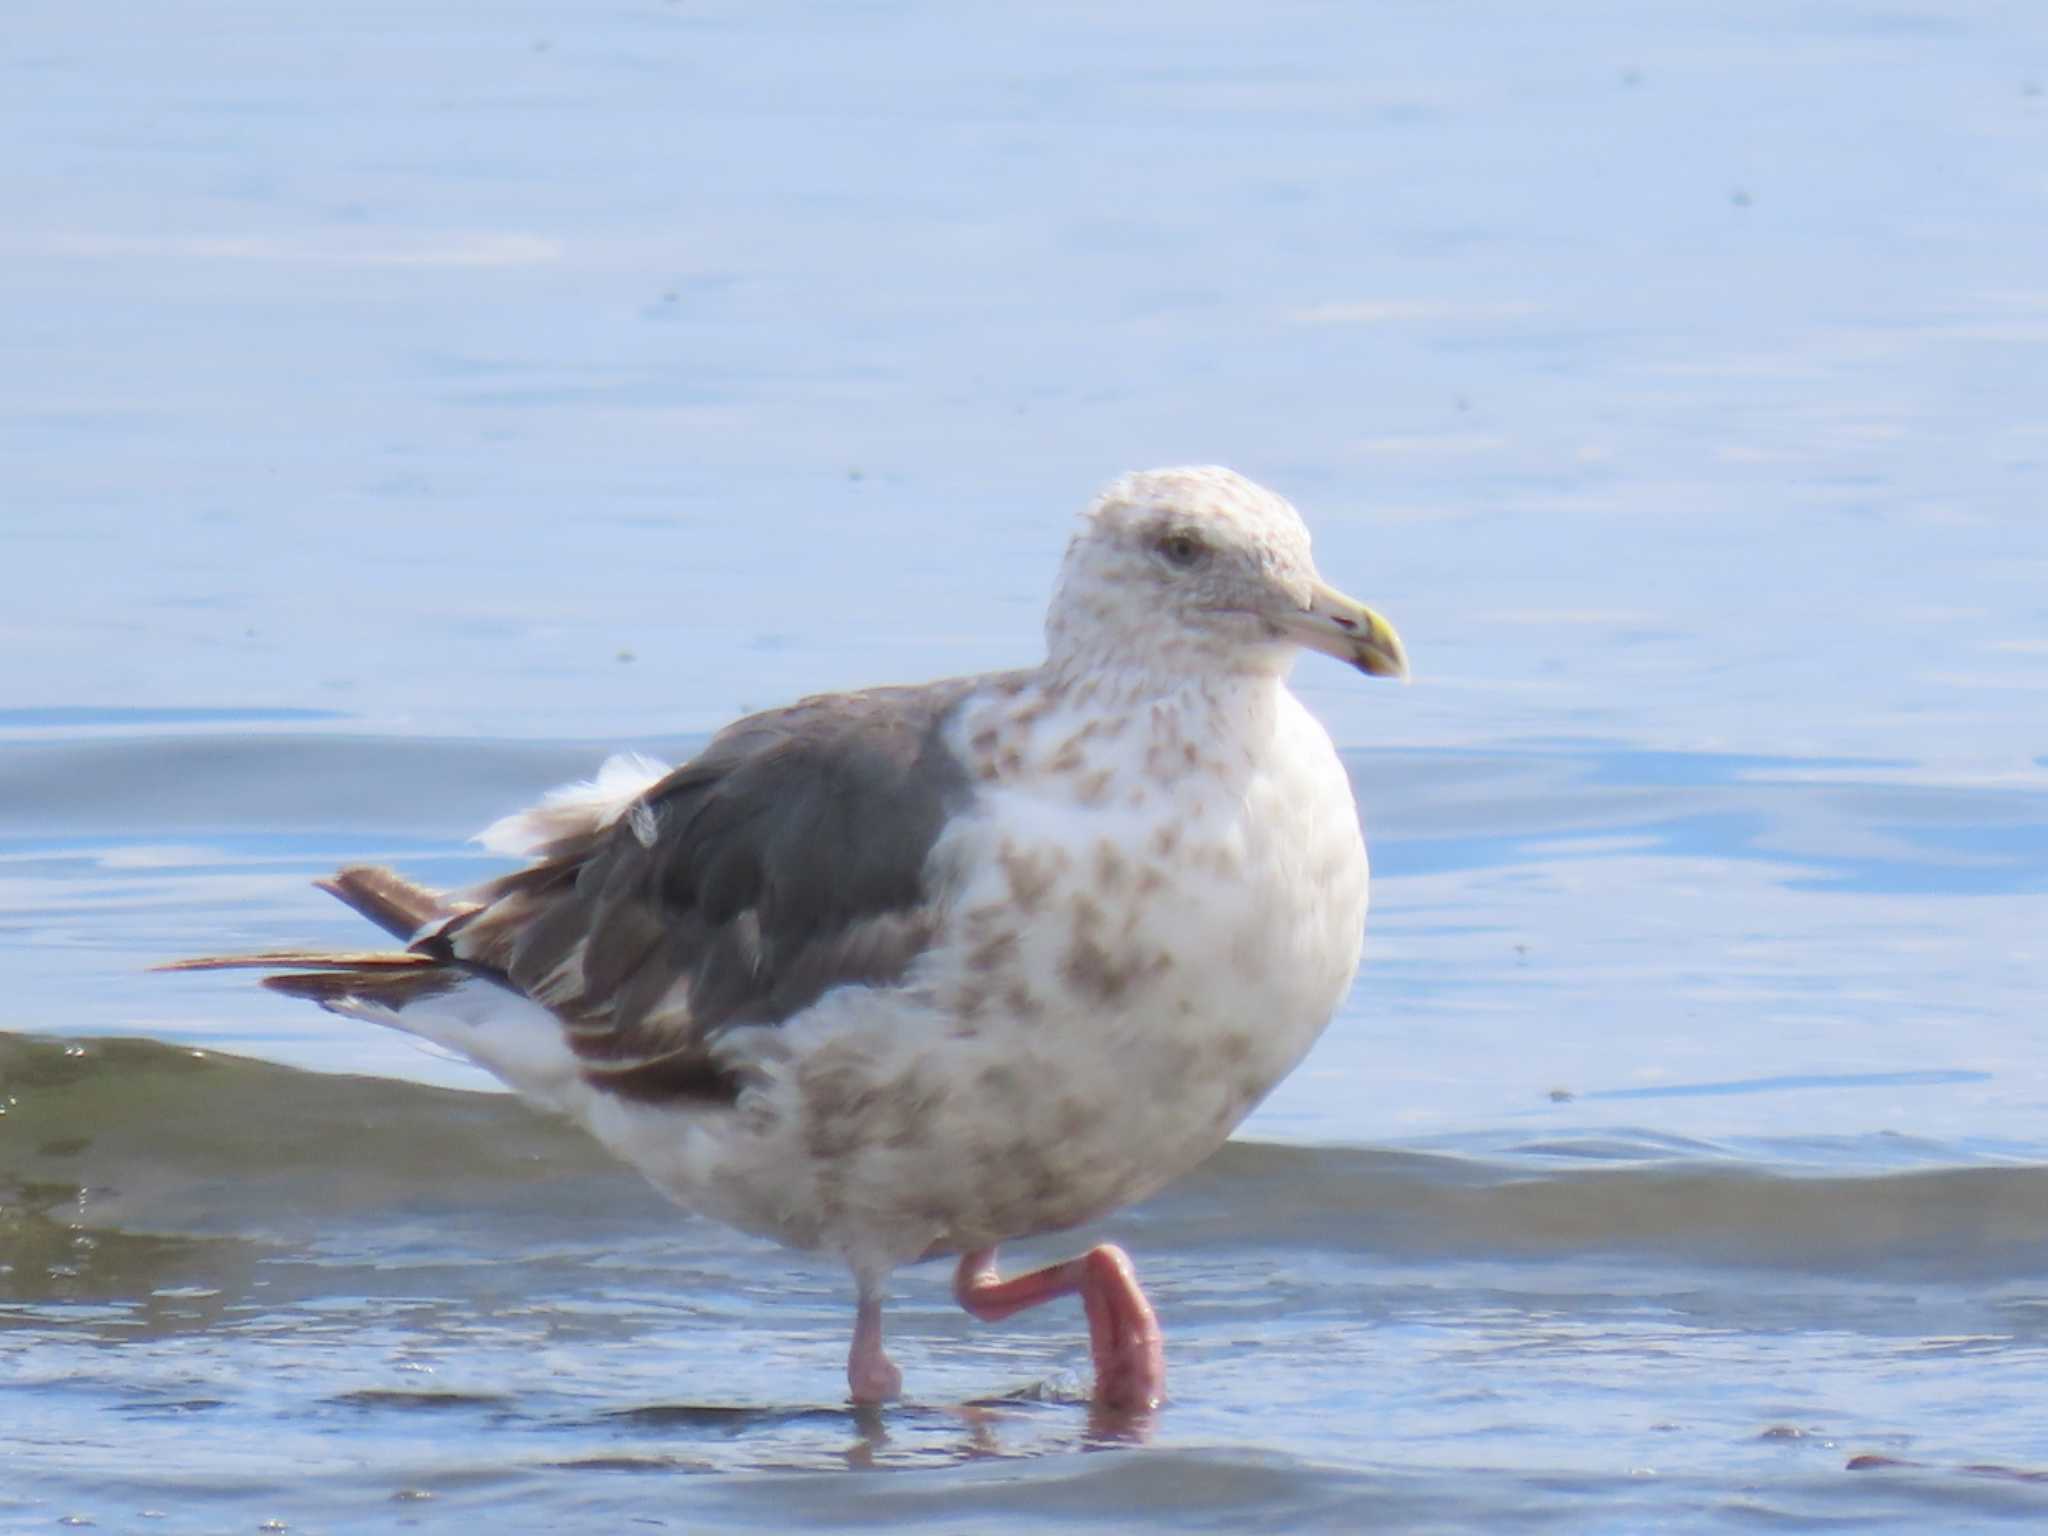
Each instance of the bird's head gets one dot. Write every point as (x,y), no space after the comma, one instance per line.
(1200,570)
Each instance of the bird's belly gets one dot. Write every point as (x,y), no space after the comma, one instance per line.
(1074,1059)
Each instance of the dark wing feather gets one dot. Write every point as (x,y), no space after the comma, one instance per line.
(786,859)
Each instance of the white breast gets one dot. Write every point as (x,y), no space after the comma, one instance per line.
(1131,963)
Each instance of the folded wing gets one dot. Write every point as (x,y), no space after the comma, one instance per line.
(790,857)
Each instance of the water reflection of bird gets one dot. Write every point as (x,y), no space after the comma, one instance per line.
(915,971)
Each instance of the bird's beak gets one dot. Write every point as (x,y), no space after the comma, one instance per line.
(1345,628)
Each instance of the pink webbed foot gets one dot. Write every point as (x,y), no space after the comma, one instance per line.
(1123,1333)
(871,1376)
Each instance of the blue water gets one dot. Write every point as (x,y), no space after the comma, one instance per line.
(408,405)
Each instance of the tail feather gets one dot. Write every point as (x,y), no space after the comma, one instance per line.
(468,1007)
(389,988)
(391,978)
(397,905)
(372,960)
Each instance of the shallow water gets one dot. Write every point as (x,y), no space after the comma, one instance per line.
(412,404)
(310,1296)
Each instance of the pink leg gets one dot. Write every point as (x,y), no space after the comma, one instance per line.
(870,1374)
(1123,1335)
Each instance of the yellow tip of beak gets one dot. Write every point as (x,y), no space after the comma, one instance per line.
(1345,628)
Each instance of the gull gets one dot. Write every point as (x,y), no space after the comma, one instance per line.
(912,972)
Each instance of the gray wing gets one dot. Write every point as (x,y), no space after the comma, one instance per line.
(788,858)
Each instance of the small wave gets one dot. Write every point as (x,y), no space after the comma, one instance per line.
(166,1145)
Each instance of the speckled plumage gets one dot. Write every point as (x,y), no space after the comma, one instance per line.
(918,971)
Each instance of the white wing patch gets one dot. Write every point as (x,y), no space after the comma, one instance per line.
(586,806)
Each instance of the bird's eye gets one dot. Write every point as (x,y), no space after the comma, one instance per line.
(1182,549)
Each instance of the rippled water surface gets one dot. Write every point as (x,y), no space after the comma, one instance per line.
(410,404)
